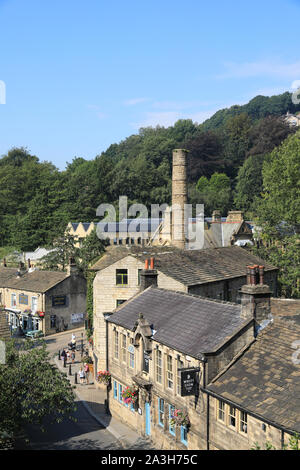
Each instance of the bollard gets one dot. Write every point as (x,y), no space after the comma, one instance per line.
(75,378)
(58,354)
(70,370)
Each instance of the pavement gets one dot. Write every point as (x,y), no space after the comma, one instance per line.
(93,399)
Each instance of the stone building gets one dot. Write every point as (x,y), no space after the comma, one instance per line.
(217,363)
(216,273)
(49,301)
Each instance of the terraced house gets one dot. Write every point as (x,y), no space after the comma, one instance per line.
(217,273)
(49,301)
(197,373)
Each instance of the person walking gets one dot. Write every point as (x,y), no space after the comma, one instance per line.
(73,356)
(87,373)
(81,375)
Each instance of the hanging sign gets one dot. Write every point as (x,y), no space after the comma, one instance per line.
(59,300)
(188,381)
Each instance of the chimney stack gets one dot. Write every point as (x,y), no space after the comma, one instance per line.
(179,197)
(216,216)
(148,276)
(72,268)
(255,297)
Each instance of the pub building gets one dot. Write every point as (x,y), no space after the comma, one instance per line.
(201,374)
(49,301)
(164,346)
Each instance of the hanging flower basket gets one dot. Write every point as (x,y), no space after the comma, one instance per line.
(41,314)
(130,395)
(104,377)
(180,418)
(27,310)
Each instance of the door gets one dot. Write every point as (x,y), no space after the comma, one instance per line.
(147,419)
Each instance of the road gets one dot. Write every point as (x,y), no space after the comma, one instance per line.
(84,434)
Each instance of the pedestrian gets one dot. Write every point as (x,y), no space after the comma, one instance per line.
(73,356)
(81,375)
(63,354)
(68,355)
(87,373)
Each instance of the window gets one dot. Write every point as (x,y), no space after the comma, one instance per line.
(123,348)
(161,411)
(115,390)
(122,277)
(120,302)
(131,354)
(243,422)
(171,412)
(179,366)
(139,276)
(158,366)
(183,435)
(116,345)
(232,416)
(221,411)
(146,359)
(13,300)
(169,372)
(120,394)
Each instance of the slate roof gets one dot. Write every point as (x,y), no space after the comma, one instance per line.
(190,267)
(265,380)
(35,281)
(6,274)
(187,323)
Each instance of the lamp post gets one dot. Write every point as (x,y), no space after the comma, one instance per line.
(81,345)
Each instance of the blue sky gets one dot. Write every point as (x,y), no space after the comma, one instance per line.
(80,76)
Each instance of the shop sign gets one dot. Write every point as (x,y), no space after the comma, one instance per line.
(188,381)
(59,300)
(23,299)
(77,317)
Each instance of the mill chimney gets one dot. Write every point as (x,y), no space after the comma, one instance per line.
(179,197)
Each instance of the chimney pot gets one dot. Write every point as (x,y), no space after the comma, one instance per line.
(151,263)
(261,274)
(146,264)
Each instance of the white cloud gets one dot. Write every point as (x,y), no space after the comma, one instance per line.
(134,101)
(266,68)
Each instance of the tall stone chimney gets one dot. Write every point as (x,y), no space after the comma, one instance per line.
(256,297)
(216,216)
(72,268)
(148,276)
(179,197)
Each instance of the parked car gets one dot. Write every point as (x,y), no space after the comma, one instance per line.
(33,334)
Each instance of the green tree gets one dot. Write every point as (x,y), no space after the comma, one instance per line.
(214,193)
(31,390)
(280,202)
(249,183)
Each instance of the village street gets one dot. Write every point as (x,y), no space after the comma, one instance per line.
(89,431)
